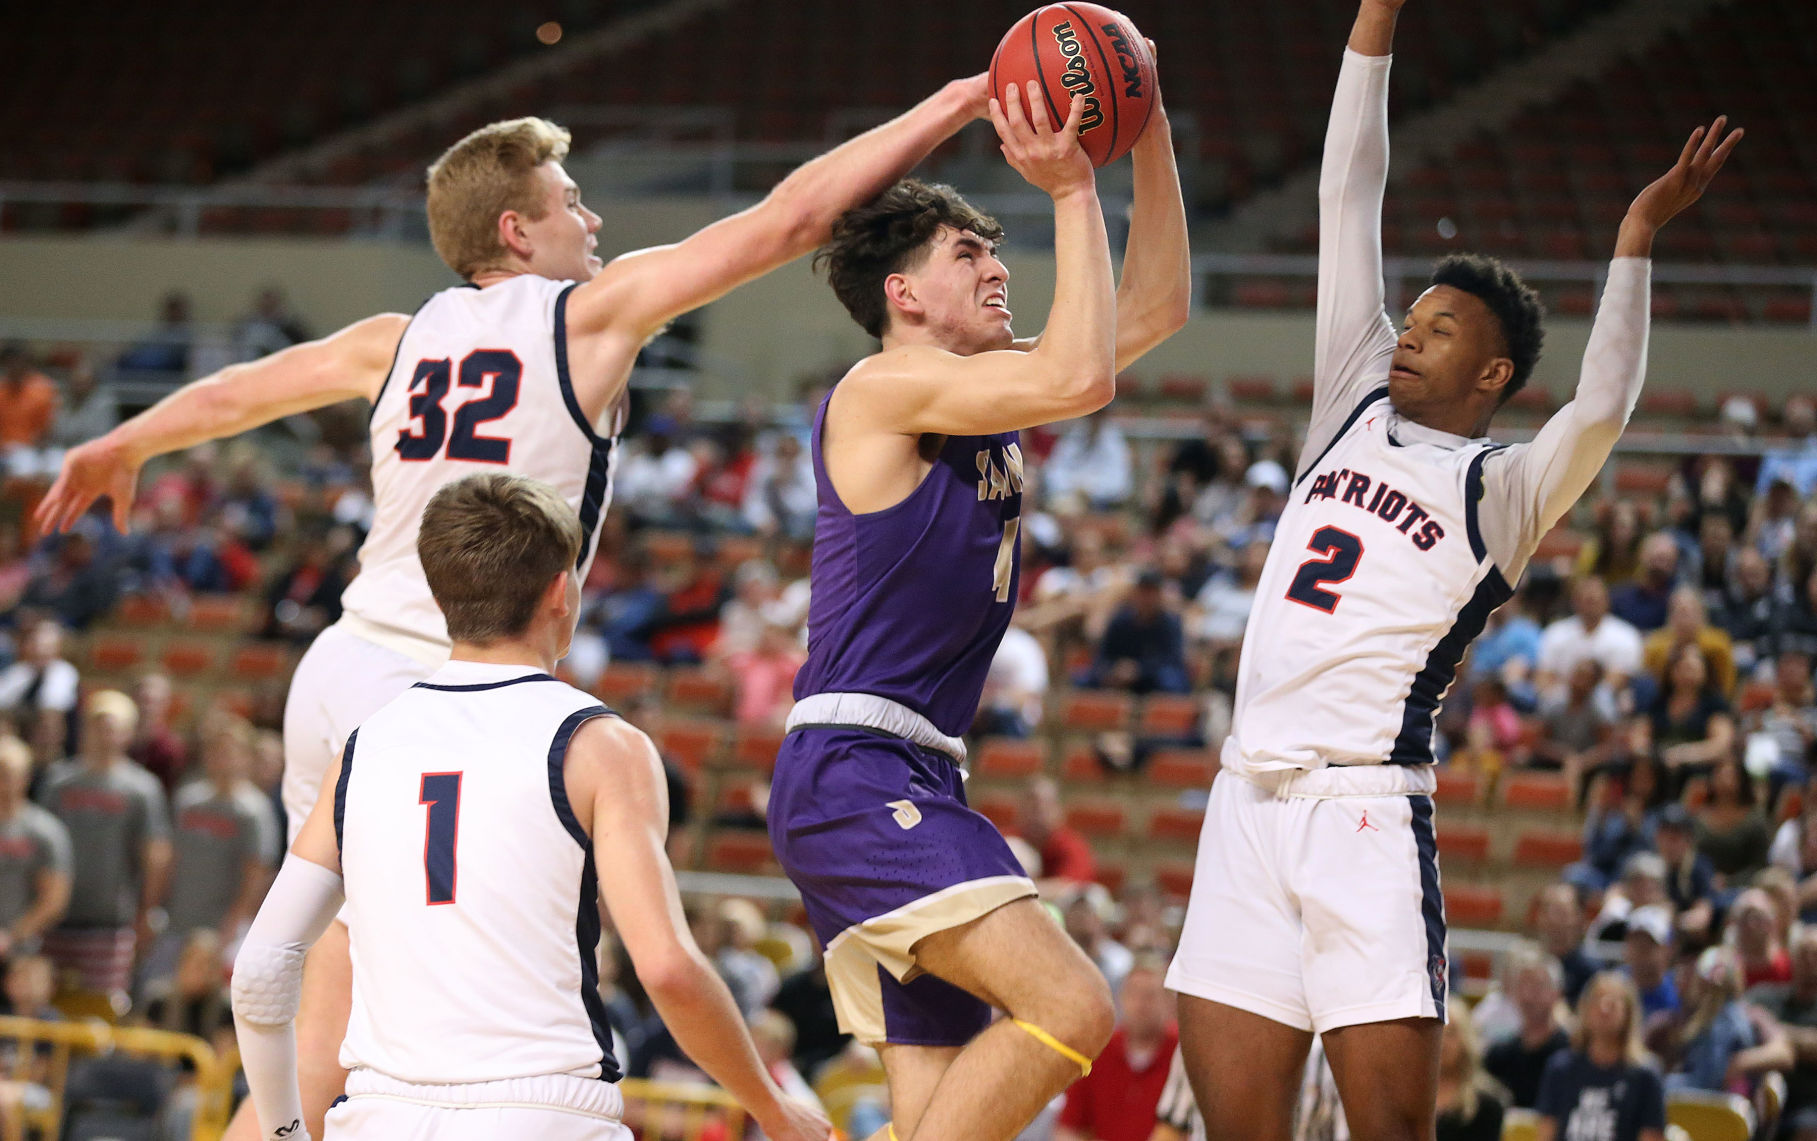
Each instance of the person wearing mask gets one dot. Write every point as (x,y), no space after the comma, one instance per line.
(1536,985)
(1602,1086)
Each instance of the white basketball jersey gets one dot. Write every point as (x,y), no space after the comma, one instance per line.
(473,903)
(480,383)
(1376,583)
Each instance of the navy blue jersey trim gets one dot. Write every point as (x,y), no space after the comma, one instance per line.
(477,686)
(1473,498)
(340,795)
(558,757)
(1414,744)
(586,914)
(599,467)
(395,353)
(1350,422)
(1432,900)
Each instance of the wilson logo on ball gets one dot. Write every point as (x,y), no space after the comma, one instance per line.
(1077,76)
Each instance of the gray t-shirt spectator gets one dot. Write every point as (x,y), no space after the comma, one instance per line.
(214,835)
(111,814)
(32,842)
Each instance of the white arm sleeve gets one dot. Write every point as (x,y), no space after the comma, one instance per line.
(267,982)
(1529,487)
(1355,341)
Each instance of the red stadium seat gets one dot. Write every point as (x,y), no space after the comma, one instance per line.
(1251,389)
(1095,710)
(746,853)
(142,610)
(1169,715)
(622,683)
(1542,792)
(217,613)
(1175,825)
(258,662)
(1472,905)
(1112,875)
(700,690)
(1082,766)
(1000,809)
(756,748)
(114,653)
(1462,843)
(1458,788)
(1099,819)
(1182,768)
(691,744)
(1184,389)
(1006,759)
(186,659)
(1174,878)
(1548,849)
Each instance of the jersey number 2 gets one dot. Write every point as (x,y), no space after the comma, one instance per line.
(429,387)
(442,793)
(1342,551)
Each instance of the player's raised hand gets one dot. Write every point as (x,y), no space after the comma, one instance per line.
(1050,160)
(1703,155)
(99,467)
(796,1121)
(977,91)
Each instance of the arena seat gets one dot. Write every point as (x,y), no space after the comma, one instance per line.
(260,661)
(691,743)
(747,853)
(622,683)
(699,689)
(1081,765)
(1175,825)
(1174,878)
(1457,788)
(1537,791)
(1473,905)
(1003,758)
(114,653)
(1098,819)
(1169,715)
(1000,809)
(217,613)
(1250,389)
(1182,768)
(142,610)
(187,659)
(1463,844)
(1094,710)
(756,748)
(1546,848)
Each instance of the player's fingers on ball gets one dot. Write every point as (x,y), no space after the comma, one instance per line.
(1037,110)
(1012,106)
(998,120)
(1073,114)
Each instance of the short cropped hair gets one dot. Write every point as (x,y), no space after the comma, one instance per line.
(489,545)
(487,173)
(1516,307)
(889,234)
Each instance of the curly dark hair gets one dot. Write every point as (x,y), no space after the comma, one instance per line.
(1515,305)
(889,234)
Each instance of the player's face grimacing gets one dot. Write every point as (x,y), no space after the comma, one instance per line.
(563,237)
(962,290)
(1450,347)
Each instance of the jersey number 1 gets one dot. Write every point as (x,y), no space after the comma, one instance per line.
(442,793)
(429,388)
(1342,550)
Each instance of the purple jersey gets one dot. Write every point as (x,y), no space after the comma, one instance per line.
(910,603)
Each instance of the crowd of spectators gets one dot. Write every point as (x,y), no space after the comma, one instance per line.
(1664,666)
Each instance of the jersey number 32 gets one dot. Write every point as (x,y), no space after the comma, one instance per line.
(429,428)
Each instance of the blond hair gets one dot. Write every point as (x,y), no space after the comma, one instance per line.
(113,703)
(479,178)
(1631,1047)
(489,545)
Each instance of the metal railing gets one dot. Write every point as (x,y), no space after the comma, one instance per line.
(44,1051)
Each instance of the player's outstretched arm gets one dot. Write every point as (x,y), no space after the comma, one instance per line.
(268,971)
(353,362)
(1154,297)
(637,293)
(1537,483)
(917,388)
(1354,338)
(615,784)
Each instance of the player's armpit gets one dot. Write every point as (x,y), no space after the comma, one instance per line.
(917,389)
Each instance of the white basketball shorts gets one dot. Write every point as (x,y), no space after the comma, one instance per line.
(341,680)
(1316,910)
(556,1107)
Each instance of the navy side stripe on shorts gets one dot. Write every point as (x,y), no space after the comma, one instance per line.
(1432,901)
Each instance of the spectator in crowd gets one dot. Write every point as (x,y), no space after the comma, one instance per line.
(1714,560)
(781,498)
(774,1036)
(808,1002)
(728,934)
(1794,621)
(77,585)
(28,406)
(654,479)
(1470,1102)
(120,829)
(166,351)
(1221,610)
(1222,496)
(1642,603)
(225,846)
(1786,729)
(1536,986)
(305,598)
(1793,1007)
(156,747)
(1750,608)
(1560,922)
(1144,648)
(1700,1047)
(41,680)
(248,509)
(1066,856)
(1622,813)
(1772,519)
(1086,912)
(1761,954)
(1692,725)
(1796,462)
(1733,831)
(1647,958)
(755,604)
(631,610)
(694,591)
(720,488)
(764,678)
(87,411)
(1687,625)
(1015,690)
(192,997)
(1613,551)
(270,326)
(31,984)
(1090,468)
(35,857)
(1590,632)
(1602,1087)
(1117,1100)
(1509,646)
(1576,723)
(1690,877)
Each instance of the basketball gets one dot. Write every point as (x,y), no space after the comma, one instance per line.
(1089,50)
